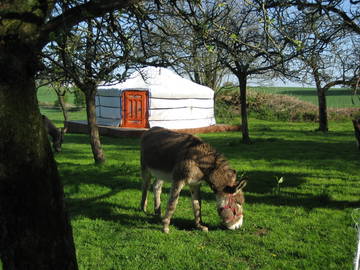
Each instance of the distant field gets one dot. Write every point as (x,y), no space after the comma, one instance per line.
(336,98)
(47,95)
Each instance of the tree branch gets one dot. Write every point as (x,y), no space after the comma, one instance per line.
(79,13)
(347,21)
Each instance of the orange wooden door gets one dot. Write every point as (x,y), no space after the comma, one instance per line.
(135,109)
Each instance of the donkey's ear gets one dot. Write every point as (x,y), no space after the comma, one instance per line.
(232,174)
(65,128)
(235,188)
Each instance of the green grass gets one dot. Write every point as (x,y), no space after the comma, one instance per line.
(336,97)
(305,224)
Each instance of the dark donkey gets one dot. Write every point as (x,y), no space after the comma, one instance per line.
(185,159)
(356,123)
(55,133)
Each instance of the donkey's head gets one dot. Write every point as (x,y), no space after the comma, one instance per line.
(58,139)
(230,200)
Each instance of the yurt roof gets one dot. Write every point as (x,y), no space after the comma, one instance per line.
(162,83)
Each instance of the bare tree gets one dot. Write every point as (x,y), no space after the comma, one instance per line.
(60,85)
(245,39)
(342,16)
(181,46)
(95,52)
(329,68)
(101,51)
(327,61)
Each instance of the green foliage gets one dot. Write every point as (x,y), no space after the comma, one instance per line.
(79,97)
(307,225)
(210,48)
(234,37)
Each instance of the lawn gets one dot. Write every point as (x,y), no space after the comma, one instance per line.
(303,223)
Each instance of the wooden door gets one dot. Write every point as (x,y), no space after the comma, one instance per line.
(135,109)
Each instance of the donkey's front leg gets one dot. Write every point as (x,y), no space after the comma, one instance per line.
(196,203)
(173,199)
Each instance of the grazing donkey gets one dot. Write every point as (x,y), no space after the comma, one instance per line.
(55,133)
(186,159)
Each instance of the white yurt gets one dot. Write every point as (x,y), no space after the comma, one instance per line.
(155,97)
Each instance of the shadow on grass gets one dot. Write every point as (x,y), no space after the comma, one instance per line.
(123,177)
(277,148)
(264,182)
(128,213)
(76,138)
(308,202)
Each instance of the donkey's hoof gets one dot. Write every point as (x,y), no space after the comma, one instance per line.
(205,229)
(143,207)
(157,213)
(202,228)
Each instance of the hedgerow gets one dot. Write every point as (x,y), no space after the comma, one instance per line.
(267,106)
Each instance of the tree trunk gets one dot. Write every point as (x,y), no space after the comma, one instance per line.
(323,120)
(243,106)
(63,107)
(35,232)
(98,153)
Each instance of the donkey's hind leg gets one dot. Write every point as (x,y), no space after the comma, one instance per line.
(146,181)
(157,196)
(171,206)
